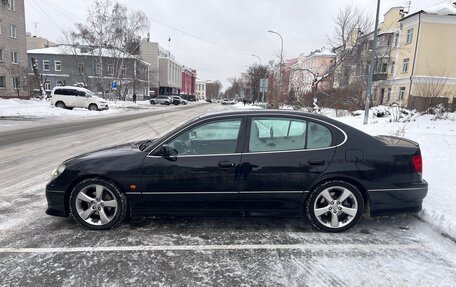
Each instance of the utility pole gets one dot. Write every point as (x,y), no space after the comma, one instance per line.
(281,61)
(371,68)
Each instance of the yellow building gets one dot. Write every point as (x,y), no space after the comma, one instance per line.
(422,60)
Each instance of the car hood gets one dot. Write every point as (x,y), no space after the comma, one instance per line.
(127,149)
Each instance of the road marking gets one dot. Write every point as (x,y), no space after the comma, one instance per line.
(310,247)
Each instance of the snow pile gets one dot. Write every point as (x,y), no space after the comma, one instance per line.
(39,108)
(240,105)
(35,108)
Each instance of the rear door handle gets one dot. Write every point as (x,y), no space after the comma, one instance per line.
(316,161)
(226,164)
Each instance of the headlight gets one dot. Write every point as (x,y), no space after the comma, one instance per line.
(58,171)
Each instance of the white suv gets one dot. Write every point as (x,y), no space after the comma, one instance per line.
(68,97)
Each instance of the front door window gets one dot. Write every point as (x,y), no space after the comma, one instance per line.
(216,137)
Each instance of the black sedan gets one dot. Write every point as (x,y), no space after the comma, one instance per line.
(269,163)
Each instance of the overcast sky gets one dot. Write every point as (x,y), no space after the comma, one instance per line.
(218,37)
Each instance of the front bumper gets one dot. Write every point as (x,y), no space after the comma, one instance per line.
(401,199)
(56,203)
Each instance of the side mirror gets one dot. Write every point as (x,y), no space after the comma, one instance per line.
(168,152)
(192,135)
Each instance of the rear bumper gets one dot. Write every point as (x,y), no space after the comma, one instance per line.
(396,200)
(56,203)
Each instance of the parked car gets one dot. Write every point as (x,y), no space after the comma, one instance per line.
(228,102)
(266,162)
(177,100)
(162,100)
(68,97)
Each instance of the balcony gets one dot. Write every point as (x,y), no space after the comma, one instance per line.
(379,77)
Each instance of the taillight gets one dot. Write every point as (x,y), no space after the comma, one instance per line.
(418,163)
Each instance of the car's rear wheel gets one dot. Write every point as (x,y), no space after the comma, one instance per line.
(166,103)
(60,105)
(93,107)
(334,206)
(98,204)
(152,102)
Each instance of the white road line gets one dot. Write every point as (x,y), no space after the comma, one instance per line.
(310,247)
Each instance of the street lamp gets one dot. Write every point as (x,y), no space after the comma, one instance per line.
(281,59)
(253,55)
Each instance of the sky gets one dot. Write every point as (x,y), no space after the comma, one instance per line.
(218,38)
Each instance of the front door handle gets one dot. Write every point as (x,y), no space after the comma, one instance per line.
(226,164)
(316,161)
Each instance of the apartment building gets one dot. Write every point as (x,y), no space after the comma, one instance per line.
(308,67)
(423,59)
(13,51)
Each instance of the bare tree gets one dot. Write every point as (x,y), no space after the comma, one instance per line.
(112,29)
(213,89)
(432,86)
(349,27)
(255,73)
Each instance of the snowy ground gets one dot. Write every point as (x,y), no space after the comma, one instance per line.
(14,112)
(40,250)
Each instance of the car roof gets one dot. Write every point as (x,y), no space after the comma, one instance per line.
(264,113)
(71,87)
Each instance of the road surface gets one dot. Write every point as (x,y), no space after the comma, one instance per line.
(40,250)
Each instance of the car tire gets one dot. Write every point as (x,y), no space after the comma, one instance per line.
(327,213)
(93,107)
(86,204)
(152,102)
(60,105)
(166,103)
(184,103)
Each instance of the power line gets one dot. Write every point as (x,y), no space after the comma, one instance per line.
(61,10)
(208,41)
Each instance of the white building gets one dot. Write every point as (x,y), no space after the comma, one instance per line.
(200,90)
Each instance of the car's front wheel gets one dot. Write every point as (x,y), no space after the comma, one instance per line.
(98,203)
(334,206)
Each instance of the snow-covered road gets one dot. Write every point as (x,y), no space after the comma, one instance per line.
(40,250)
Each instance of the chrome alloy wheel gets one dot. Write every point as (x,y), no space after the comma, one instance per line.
(335,207)
(96,205)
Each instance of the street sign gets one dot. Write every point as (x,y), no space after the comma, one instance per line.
(263,85)
(114,85)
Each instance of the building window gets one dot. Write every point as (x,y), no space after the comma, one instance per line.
(384,68)
(98,69)
(46,65)
(396,40)
(2,82)
(409,35)
(123,71)
(16,83)
(393,66)
(405,65)
(12,5)
(47,85)
(81,68)
(14,57)
(401,93)
(1,55)
(110,70)
(388,95)
(13,31)
(58,66)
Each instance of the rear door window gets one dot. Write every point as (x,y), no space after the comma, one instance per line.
(277,134)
